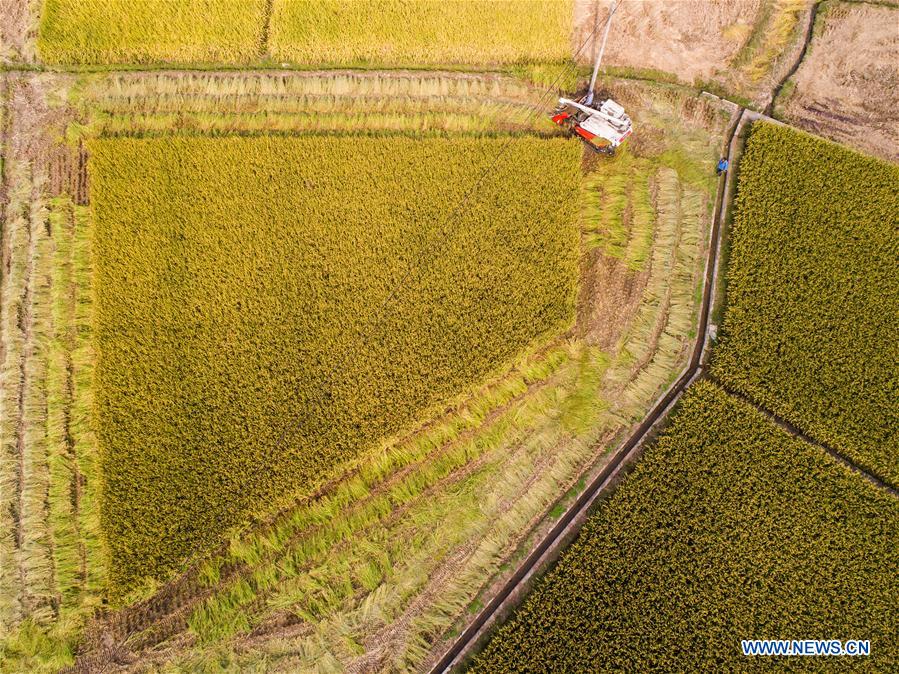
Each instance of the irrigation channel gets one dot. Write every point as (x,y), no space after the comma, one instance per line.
(566,528)
(548,549)
(806,40)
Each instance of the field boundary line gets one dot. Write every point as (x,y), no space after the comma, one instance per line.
(809,33)
(798,433)
(567,526)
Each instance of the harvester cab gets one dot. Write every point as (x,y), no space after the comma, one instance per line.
(602,126)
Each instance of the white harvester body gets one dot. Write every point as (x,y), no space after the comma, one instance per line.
(602,127)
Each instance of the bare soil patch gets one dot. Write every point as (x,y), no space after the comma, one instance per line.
(847,88)
(743,48)
(610,295)
(18,30)
(692,39)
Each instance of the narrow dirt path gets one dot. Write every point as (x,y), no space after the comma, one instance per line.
(809,31)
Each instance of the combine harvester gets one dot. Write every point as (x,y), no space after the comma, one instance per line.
(601,127)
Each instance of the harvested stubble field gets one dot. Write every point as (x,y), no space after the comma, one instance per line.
(727,529)
(359,576)
(812,307)
(741,47)
(845,88)
(344,101)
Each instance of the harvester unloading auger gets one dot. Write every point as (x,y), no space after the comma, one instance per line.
(604,126)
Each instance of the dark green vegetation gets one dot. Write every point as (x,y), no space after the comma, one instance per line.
(262,318)
(727,529)
(812,318)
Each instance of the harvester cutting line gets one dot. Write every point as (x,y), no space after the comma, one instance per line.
(567,526)
(603,127)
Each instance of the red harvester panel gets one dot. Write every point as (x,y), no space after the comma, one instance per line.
(583,133)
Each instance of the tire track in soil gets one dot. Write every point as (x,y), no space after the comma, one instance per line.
(265,51)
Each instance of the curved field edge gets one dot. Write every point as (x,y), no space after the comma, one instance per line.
(286,642)
(681,548)
(812,296)
(688,109)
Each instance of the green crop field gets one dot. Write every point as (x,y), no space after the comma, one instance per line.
(812,293)
(421,32)
(147,31)
(263,316)
(727,529)
(342,32)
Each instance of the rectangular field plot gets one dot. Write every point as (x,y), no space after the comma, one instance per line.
(728,528)
(149,31)
(305,32)
(432,32)
(268,307)
(812,307)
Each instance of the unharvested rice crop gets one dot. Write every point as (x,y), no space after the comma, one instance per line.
(268,307)
(330,32)
(146,31)
(420,32)
(729,529)
(812,308)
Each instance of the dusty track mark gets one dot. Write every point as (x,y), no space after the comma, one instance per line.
(608,300)
(264,51)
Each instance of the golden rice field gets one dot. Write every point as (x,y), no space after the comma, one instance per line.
(268,327)
(415,33)
(149,31)
(313,325)
(725,529)
(305,32)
